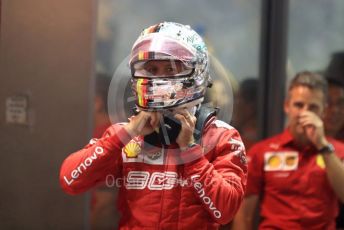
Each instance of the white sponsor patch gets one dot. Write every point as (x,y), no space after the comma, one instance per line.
(236,144)
(281,161)
(239,149)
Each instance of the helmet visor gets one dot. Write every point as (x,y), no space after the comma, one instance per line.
(161,69)
(164,93)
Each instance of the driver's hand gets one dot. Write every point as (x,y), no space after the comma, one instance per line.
(143,123)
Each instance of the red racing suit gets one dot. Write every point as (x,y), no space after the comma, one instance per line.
(156,192)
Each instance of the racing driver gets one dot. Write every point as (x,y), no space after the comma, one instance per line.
(177,166)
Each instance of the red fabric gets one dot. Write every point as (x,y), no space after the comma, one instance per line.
(294,195)
(99,130)
(97,133)
(201,194)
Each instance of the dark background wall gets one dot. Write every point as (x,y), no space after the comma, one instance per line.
(46,55)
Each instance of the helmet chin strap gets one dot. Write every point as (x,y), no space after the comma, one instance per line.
(169,129)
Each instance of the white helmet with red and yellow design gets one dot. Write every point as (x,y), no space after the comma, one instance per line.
(169,67)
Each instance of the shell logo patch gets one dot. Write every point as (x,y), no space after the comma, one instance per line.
(274,162)
(132,149)
(320,161)
(281,161)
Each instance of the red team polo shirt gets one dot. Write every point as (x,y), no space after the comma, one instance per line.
(292,184)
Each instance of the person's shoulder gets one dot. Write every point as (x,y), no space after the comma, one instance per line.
(219,124)
(215,127)
(273,142)
(276,139)
(113,128)
(219,132)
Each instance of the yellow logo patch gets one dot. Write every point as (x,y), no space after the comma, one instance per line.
(132,150)
(274,162)
(320,161)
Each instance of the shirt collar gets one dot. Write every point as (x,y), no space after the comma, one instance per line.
(286,138)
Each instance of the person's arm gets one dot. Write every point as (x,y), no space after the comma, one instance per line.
(247,213)
(314,128)
(335,174)
(219,185)
(87,167)
(244,219)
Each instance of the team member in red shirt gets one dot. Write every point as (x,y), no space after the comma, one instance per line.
(170,176)
(296,176)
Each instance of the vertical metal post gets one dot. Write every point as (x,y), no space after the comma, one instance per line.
(273,59)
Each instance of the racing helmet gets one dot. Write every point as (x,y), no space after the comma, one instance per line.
(169,67)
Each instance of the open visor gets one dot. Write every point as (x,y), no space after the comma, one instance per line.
(156,44)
